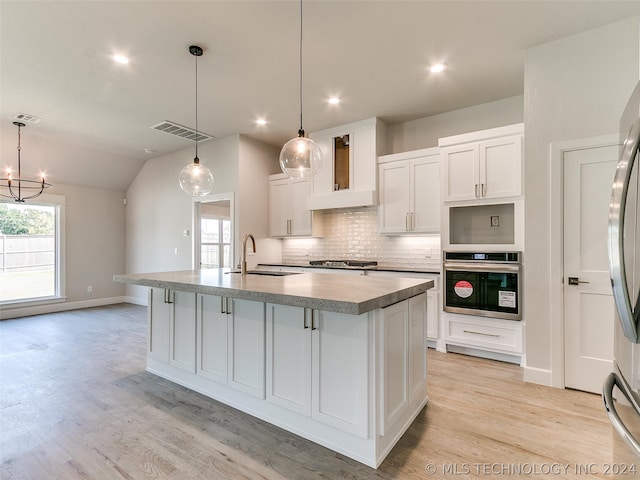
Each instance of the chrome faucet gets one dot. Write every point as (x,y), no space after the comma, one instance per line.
(244,252)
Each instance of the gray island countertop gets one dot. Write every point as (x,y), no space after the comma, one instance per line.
(352,295)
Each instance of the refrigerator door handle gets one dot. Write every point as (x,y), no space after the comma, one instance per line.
(616,232)
(607,397)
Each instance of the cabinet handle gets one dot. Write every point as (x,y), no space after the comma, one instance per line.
(288,227)
(313,320)
(482,333)
(304,322)
(407,228)
(167,296)
(228,308)
(413,221)
(484,190)
(222,302)
(476,186)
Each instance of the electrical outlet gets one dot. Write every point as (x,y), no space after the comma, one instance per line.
(495,221)
(175,251)
(89,288)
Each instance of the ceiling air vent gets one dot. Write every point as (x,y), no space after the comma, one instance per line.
(25,117)
(177,130)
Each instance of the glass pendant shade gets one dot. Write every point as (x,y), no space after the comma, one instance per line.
(300,158)
(196,179)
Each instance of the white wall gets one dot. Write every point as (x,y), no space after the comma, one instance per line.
(425,132)
(575,88)
(94,249)
(158,212)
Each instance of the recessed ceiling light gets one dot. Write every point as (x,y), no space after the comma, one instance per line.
(333,100)
(438,67)
(261,121)
(122,59)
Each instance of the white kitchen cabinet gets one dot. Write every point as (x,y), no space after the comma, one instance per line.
(246,347)
(409,192)
(313,358)
(288,214)
(485,335)
(482,165)
(213,326)
(404,358)
(348,177)
(172,328)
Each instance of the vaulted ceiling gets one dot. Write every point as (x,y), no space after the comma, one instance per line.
(55,64)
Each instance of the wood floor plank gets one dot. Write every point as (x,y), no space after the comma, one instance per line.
(77,403)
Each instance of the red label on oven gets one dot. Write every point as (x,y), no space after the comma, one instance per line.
(463,289)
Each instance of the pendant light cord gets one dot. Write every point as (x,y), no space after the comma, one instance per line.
(301,131)
(196,159)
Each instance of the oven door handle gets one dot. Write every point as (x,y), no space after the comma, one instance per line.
(482,267)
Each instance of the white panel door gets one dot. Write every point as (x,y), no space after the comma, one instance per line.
(500,167)
(394,197)
(425,194)
(183,331)
(289,357)
(159,322)
(460,172)
(279,207)
(417,354)
(246,347)
(300,216)
(588,305)
(212,335)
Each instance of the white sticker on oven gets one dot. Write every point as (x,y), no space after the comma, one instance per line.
(463,289)
(506,299)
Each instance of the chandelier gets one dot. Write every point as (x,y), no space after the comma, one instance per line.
(19,188)
(300,157)
(196,179)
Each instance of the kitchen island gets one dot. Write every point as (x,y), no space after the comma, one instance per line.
(338,360)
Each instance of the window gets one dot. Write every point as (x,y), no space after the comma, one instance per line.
(215,242)
(31,247)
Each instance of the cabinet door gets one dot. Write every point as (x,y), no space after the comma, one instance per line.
(246,347)
(394,388)
(417,354)
(212,338)
(501,167)
(394,197)
(279,207)
(183,331)
(300,216)
(159,323)
(289,358)
(425,194)
(460,172)
(339,371)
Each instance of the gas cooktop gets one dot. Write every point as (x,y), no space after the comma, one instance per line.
(344,263)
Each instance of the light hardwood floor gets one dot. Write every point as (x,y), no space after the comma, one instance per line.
(76,403)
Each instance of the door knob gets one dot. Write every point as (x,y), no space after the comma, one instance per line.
(575,281)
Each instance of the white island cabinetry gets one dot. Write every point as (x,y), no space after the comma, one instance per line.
(340,363)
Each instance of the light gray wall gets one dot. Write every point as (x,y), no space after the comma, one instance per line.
(575,88)
(94,249)
(425,132)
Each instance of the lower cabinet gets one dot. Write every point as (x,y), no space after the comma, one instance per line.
(172,328)
(403,358)
(317,365)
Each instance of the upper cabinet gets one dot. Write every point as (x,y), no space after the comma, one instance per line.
(409,191)
(348,177)
(482,165)
(288,214)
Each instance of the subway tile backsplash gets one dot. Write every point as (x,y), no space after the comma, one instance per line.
(353,234)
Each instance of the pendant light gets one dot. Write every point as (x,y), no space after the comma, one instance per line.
(300,157)
(196,179)
(17,187)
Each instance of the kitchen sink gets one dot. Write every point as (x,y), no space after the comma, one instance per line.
(269,273)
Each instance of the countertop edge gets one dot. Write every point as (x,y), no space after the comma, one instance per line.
(333,305)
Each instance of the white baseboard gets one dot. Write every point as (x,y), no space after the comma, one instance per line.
(538,375)
(137,300)
(26,310)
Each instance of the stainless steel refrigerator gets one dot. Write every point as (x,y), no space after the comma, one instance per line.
(621,389)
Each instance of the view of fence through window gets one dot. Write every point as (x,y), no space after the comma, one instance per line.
(215,243)
(27,251)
